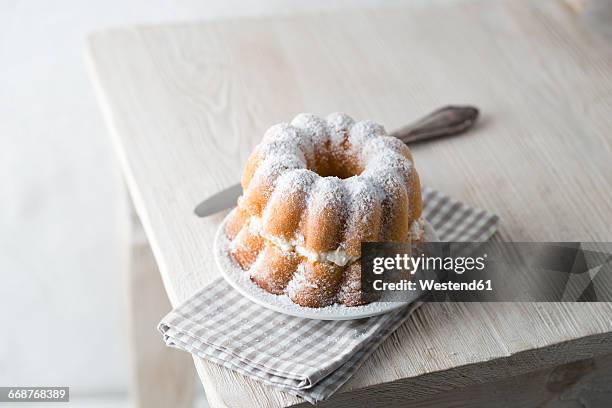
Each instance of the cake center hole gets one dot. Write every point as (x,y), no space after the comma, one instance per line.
(338,164)
(340,170)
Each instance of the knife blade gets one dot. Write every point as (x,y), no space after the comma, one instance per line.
(446,121)
(219,202)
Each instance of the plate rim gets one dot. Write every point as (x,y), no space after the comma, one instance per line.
(348,313)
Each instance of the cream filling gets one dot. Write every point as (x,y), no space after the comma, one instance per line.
(337,256)
(417,229)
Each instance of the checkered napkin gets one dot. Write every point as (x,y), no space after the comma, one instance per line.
(304,357)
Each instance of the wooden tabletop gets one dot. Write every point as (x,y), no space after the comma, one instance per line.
(186,103)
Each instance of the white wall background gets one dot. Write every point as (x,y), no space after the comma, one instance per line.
(61,207)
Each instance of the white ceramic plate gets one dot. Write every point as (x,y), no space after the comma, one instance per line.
(240,281)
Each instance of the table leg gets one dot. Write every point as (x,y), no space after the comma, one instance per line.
(161,376)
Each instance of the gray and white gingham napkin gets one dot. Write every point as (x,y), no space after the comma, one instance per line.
(304,357)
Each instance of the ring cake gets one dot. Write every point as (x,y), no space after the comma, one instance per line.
(313,190)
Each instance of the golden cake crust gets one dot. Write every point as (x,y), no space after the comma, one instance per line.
(313,190)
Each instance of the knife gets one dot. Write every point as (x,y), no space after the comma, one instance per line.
(446,121)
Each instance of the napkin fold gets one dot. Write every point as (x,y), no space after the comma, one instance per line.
(304,357)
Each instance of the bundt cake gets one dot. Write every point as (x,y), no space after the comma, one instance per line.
(313,190)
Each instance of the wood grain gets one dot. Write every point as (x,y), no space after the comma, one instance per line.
(582,383)
(186,103)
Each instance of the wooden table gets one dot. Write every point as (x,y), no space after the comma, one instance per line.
(186,103)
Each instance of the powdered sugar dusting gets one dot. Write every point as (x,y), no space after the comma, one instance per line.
(339,121)
(339,126)
(313,127)
(363,196)
(274,165)
(365,130)
(327,192)
(290,183)
(296,181)
(294,146)
(375,146)
(299,282)
(285,139)
(275,132)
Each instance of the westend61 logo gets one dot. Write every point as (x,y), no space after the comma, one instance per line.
(488,272)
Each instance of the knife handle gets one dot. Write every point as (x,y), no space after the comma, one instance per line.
(446,121)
